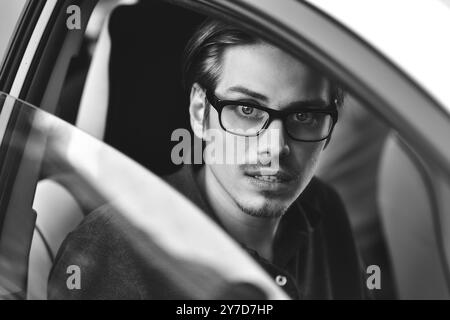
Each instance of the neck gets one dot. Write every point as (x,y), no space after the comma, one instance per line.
(256,233)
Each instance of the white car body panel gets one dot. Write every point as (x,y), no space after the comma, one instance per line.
(414,34)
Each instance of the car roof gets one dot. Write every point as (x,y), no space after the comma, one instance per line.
(413,34)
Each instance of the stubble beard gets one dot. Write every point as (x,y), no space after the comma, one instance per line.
(269,210)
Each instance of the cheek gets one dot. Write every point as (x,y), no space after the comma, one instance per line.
(230,149)
(307,156)
(212,120)
(223,150)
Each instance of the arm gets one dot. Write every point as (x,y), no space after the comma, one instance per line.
(102,259)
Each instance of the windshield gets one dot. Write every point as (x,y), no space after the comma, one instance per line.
(162,226)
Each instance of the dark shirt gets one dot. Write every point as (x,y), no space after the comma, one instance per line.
(314,252)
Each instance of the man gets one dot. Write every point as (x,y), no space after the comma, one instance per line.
(283,112)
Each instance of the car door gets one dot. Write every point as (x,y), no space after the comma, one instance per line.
(37,57)
(37,145)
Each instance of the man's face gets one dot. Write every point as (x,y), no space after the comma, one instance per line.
(267,76)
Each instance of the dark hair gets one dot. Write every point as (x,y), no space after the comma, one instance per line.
(203,55)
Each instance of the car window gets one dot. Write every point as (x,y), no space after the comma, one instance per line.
(353,162)
(9,17)
(97,177)
(75,77)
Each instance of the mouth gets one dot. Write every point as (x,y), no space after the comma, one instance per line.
(266,179)
(271,175)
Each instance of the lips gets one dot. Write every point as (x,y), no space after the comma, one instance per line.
(270,175)
(270,180)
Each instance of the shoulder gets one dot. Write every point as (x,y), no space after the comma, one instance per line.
(98,249)
(323,203)
(99,230)
(182,179)
(337,236)
(318,191)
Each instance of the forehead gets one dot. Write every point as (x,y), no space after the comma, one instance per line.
(270,71)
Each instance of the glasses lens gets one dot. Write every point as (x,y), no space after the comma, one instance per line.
(243,120)
(309,126)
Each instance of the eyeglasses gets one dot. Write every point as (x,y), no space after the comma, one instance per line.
(308,124)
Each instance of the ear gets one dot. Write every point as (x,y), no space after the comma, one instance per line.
(197,109)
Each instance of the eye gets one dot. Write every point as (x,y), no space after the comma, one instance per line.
(249,113)
(304,117)
(246,110)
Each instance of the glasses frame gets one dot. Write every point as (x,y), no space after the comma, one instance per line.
(219,104)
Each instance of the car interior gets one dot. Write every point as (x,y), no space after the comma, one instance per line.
(130,87)
(122,114)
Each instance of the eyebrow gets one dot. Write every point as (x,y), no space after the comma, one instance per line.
(248,92)
(319,103)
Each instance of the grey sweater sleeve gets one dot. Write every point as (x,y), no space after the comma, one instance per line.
(101,257)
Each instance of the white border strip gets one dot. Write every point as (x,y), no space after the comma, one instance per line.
(25,63)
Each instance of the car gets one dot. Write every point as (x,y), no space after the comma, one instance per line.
(80,85)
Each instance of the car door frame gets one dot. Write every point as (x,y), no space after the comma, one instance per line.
(34,69)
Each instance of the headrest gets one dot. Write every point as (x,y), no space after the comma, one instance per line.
(146,98)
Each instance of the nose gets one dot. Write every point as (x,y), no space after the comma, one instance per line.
(273,142)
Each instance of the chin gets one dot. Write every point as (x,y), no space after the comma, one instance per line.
(264,208)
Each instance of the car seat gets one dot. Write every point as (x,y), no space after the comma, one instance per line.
(132,99)
(407,214)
